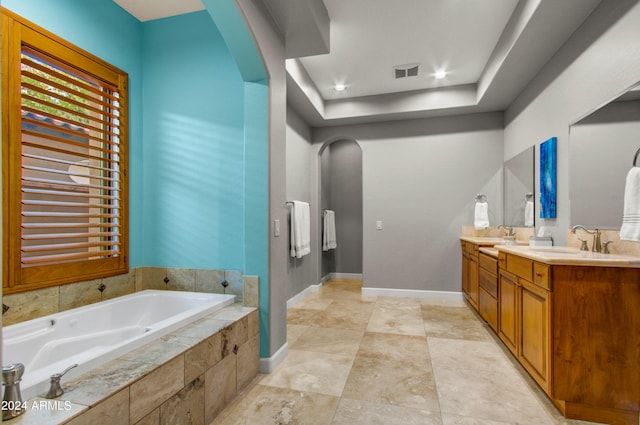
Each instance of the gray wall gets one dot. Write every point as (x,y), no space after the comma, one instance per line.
(328,260)
(601,150)
(301,272)
(599,61)
(345,180)
(271,49)
(420,178)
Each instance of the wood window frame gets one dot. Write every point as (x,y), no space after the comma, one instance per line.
(18,277)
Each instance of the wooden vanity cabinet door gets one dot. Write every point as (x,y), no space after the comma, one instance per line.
(508,305)
(535,339)
(473,278)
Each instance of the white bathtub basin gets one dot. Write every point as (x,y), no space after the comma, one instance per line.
(97,333)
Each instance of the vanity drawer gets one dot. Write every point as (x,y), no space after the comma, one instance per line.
(521,267)
(470,248)
(541,275)
(488,263)
(489,282)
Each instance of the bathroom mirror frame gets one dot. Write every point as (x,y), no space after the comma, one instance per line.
(518,186)
(602,145)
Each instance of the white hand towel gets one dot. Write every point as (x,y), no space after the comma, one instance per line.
(329,231)
(528,214)
(481,215)
(630,230)
(300,229)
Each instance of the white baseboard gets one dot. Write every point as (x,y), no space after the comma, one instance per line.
(269,364)
(411,293)
(297,298)
(325,278)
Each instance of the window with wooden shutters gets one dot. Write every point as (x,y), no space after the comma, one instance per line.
(66,192)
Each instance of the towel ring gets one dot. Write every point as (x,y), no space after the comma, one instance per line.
(635,158)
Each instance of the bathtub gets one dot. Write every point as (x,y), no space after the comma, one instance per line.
(95,334)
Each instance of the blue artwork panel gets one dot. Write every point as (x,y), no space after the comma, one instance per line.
(548,178)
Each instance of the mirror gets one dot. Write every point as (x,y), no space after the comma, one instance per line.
(519,183)
(601,150)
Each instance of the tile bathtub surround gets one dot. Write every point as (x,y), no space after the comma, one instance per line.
(379,360)
(187,377)
(42,302)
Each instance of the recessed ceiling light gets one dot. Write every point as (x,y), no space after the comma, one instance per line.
(339,87)
(440,75)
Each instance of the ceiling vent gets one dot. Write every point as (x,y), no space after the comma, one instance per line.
(403,71)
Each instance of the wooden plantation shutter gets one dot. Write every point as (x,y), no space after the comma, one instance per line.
(68,154)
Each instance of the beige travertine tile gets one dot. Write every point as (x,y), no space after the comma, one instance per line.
(294,332)
(220,385)
(403,348)
(343,314)
(248,361)
(209,281)
(466,354)
(156,388)
(234,334)
(30,305)
(314,303)
(269,405)
(202,328)
(158,352)
(403,319)
(202,357)
(252,291)
(301,317)
(151,278)
(112,411)
(186,407)
(392,382)
(358,412)
(152,418)
(102,382)
(236,283)
(325,340)
(310,371)
(79,294)
(253,323)
(181,279)
(450,419)
(453,323)
(486,394)
(116,286)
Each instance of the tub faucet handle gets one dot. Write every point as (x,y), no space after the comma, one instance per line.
(56,390)
(11,377)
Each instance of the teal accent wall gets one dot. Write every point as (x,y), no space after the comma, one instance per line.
(107,31)
(193,151)
(198,139)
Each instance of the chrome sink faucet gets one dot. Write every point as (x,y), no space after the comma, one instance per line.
(507,229)
(597,238)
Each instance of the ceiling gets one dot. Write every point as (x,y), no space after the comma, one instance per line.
(489,49)
(370,37)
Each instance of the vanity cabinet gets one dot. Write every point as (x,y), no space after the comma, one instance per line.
(525,314)
(470,272)
(576,330)
(488,289)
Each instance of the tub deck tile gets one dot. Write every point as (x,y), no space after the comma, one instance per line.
(99,384)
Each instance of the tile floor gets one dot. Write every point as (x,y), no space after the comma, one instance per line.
(378,360)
